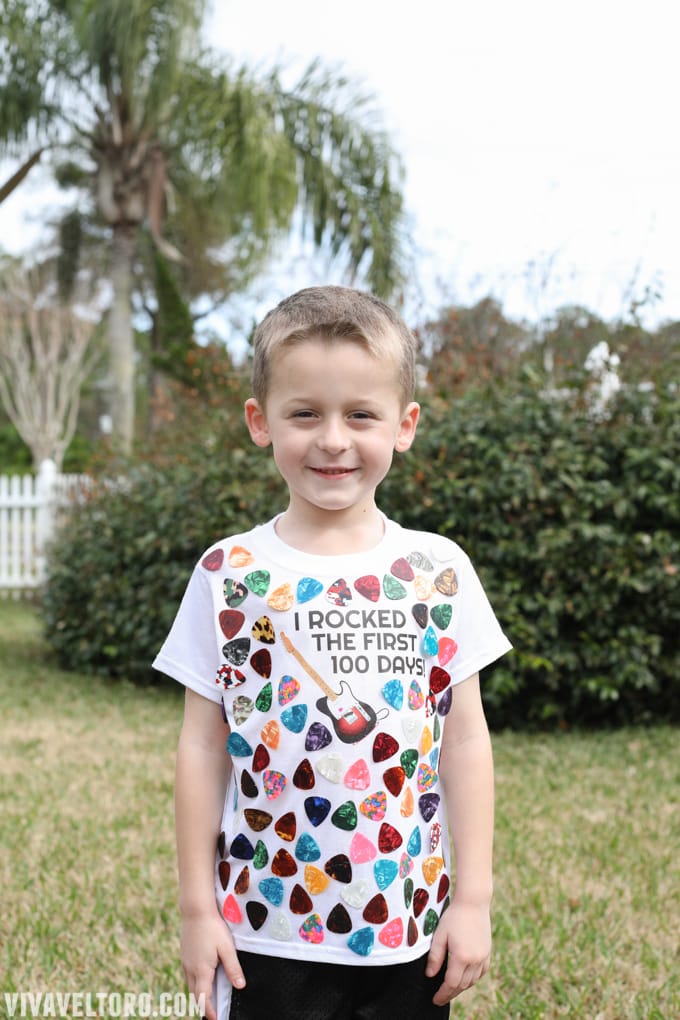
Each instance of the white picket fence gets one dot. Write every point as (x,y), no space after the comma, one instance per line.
(29,508)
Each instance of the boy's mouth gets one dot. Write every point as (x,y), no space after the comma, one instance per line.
(333,470)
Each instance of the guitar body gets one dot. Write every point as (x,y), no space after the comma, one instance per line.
(352,719)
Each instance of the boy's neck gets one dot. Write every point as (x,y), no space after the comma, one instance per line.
(331,534)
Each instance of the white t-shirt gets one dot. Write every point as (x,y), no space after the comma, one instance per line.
(336,674)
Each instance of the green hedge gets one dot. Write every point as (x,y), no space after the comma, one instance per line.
(573,524)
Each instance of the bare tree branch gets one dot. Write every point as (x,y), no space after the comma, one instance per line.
(46,353)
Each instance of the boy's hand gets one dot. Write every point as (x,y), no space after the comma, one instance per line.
(464,932)
(204,943)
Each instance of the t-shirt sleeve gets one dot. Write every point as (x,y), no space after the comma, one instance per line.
(478,633)
(190,652)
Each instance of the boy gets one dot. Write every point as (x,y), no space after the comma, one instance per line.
(337,656)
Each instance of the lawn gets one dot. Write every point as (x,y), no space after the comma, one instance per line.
(587,850)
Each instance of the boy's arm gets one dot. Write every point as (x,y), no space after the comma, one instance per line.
(202,774)
(466,772)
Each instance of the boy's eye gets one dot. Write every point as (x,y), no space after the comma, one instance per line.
(304,413)
(361,415)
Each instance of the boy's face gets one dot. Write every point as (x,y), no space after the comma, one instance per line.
(334,418)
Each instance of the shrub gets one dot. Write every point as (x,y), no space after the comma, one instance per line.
(119,567)
(572,523)
(575,527)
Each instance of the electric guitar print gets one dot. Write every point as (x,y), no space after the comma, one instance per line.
(352,719)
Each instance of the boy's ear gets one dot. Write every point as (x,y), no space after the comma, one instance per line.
(257,423)
(407,427)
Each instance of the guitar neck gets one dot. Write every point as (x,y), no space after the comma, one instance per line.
(309,670)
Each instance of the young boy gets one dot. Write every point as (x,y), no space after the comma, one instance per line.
(337,657)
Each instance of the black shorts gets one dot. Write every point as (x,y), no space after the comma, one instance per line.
(279,989)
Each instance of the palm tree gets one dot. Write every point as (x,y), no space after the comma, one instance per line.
(162,135)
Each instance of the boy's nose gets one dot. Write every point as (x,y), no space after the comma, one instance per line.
(333,437)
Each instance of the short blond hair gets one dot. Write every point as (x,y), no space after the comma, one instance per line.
(335,313)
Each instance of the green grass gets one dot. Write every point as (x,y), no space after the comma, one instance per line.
(587,849)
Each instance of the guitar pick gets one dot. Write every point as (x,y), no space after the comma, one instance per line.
(402,569)
(316,809)
(374,806)
(361,849)
(257,914)
(283,864)
(306,848)
(231,911)
(315,880)
(393,693)
(446,582)
(237,651)
(423,587)
(445,702)
(271,734)
(339,868)
(318,736)
(256,819)
(258,581)
(420,561)
(339,921)
(289,688)
(446,650)
(261,662)
(385,873)
(392,935)
(260,758)
(420,614)
(430,642)
(384,746)
(357,776)
(361,941)
(263,702)
(376,911)
(240,557)
(242,883)
(369,587)
(416,698)
(294,718)
(285,827)
(431,921)
(308,588)
(214,560)
(393,589)
(282,599)
(355,894)
(303,777)
(274,783)
(234,592)
(231,621)
(312,930)
(279,927)
(300,901)
(331,767)
(389,838)
(263,630)
(441,615)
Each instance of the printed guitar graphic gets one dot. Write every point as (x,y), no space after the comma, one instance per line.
(352,719)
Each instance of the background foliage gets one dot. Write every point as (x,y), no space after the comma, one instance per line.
(573,521)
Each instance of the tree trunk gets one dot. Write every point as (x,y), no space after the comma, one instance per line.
(121,339)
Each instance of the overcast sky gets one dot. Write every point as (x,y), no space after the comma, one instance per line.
(540,140)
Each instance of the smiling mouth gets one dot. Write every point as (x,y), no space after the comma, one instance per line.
(333,471)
